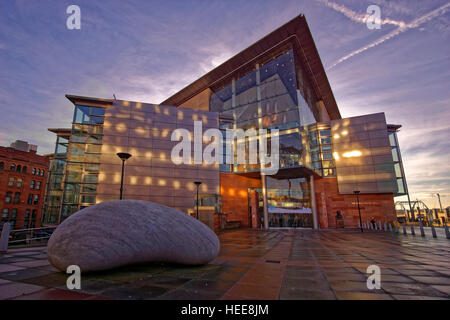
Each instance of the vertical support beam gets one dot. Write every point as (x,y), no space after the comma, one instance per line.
(402,170)
(313,204)
(433,231)
(447,232)
(265,209)
(422,232)
(260,126)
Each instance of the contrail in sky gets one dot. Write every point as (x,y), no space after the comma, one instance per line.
(402,26)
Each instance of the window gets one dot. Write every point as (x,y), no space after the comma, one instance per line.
(26,219)
(19,168)
(11,181)
(88,115)
(33,172)
(33,219)
(8,197)
(16,197)
(12,219)
(90,178)
(38,185)
(30,199)
(5,215)
(42,172)
(32,184)
(36,199)
(19,183)
(87,199)
(39,172)
(13,167)
(24,169)
(2,165)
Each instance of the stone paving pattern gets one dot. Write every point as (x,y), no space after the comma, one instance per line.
(254,264)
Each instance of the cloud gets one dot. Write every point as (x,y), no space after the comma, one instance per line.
(402,27)
(358,17)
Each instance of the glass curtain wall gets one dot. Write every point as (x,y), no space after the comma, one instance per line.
(267,98)
(83,159)
(276,95)
(398,165)
(55,182)
(321,151)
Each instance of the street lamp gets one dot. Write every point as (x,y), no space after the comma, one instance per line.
(197,183)
(123,156)
(359,210)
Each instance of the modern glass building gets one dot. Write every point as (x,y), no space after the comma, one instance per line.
(277,83)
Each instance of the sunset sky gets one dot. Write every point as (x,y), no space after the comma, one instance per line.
(148,50)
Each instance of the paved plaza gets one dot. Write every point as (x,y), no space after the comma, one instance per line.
(254,264)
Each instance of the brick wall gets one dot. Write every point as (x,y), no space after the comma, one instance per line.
(31,160)
(234,192)
(328,200)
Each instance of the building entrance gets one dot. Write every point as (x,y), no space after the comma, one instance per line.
(289,203)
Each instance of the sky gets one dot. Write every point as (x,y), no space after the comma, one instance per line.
(148,50)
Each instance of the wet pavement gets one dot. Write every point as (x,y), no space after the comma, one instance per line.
(254,264)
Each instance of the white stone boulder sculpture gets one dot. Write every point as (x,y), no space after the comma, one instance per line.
(122,232)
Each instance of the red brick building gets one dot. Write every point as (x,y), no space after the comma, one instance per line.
(23,175)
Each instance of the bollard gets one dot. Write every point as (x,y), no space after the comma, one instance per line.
(390,227)
(447,233)
(5,237)
(433,231)
(404,229)
(385,226)
(422,232)
(412,230)
(379,225)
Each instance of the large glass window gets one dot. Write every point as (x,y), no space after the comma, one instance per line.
(88,115)
(289,203)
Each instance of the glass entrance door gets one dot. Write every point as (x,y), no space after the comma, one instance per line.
(289,203)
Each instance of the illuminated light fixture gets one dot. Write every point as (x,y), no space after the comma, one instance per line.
(336,155)
(336,136)
(344,133)
(352,154)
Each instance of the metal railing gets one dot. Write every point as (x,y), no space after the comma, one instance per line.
(408,229)
(23,237)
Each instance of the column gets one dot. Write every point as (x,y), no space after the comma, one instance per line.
(313,204)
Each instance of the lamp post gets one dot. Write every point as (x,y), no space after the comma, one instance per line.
(123,156)
(359,210)
(197,183)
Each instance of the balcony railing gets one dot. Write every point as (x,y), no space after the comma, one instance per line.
(24,237)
